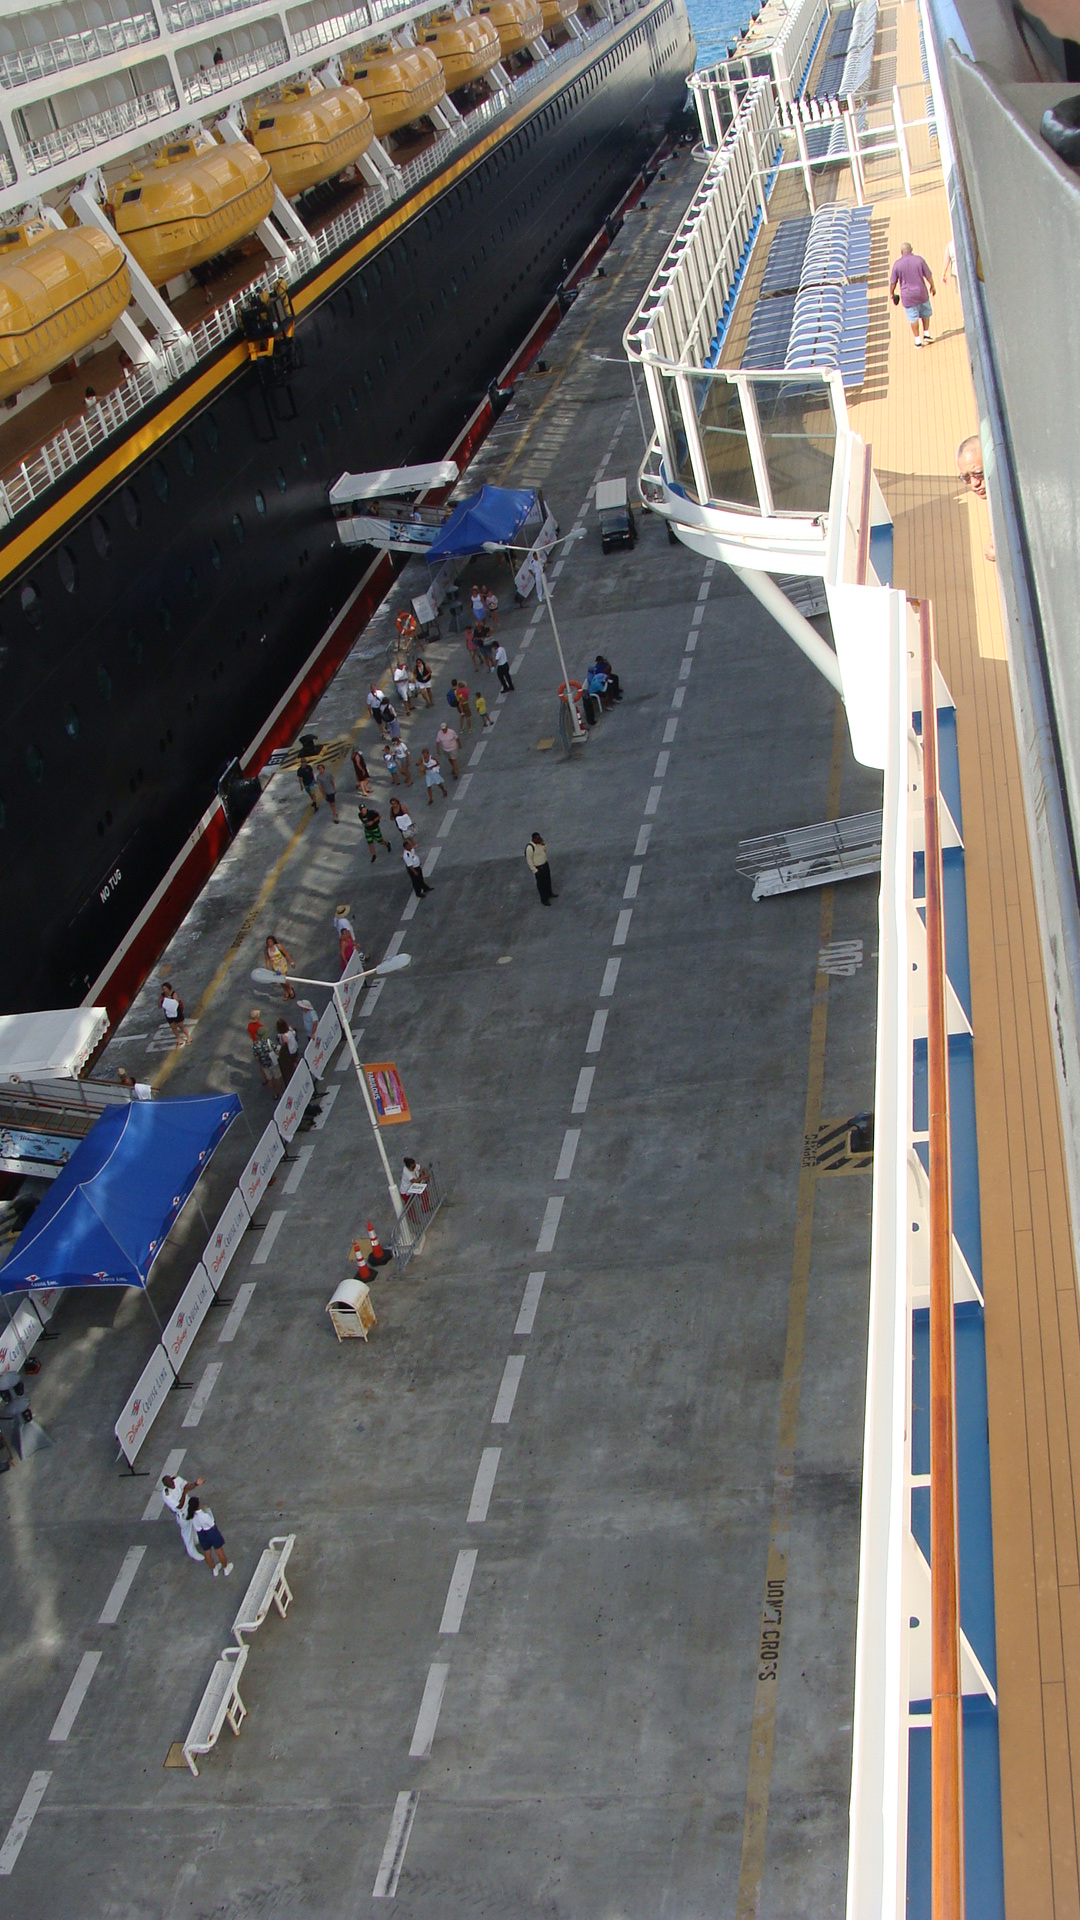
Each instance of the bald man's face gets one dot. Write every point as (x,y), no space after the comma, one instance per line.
(970,468)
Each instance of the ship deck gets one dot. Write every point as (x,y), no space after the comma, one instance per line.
(914,409)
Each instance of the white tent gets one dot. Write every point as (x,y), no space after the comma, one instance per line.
(50,1046)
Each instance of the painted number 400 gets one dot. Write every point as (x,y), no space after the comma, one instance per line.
(109,886)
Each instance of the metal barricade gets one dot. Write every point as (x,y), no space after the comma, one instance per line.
(419,1212)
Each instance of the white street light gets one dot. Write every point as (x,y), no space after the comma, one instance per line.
(263,977)
(543,589)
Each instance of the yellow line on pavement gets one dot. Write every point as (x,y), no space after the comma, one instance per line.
(763,1726)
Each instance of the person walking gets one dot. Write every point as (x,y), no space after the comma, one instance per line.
(403,821)
(447,742)
(175,1494)
(432,775)
(305,773)
(262,1048)
(288,1051)
(173,1008)
(279,961)
(502,668)
(482,713)
(479,609)
(536,856)
(422,676)
(208,1537)
(911,284)
(461,696)
(403,685)
(414,868)
(327,788)
(309,1017)
(369,820)
(360,768)
(346,933)
(374,698)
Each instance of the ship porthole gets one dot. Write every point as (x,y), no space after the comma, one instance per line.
(238,529)
(129,500)
(30,602)
(302,454)
(35,763)
(99,533)
(71,723)
(187,453)
(282,483)
(160,479)
(104,683)
(320,433)
(211,433)
(260,502)
(67,569)
(215,554)
(335,414)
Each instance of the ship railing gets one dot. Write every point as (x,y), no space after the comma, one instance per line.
(784,57)
(54,57)
(84,435)
(8,175)
(326,33)
(229,73)
(113,123)
(182,15)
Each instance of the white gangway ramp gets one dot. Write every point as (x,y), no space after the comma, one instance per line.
(811,856)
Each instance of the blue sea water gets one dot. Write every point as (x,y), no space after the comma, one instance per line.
(715,24)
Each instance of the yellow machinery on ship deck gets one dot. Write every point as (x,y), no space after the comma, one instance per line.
(398,83)
(517,22)
(466,49)
(198,198)
(311,133)
(557,12)
(59,292)
(268,324)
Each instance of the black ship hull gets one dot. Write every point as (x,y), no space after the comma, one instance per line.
(145,646)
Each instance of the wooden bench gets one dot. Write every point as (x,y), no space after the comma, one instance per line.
(220,1702)
(268,1586)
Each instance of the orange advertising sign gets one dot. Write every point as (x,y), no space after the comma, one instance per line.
(387,1093)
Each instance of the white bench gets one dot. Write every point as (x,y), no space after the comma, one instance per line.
(267,1586)
(220,1702)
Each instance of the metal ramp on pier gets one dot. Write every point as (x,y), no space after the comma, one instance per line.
(811,856)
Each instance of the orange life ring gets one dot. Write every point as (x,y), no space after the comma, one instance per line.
(578,690)
(406,623)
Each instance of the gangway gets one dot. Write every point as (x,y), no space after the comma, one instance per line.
(811,856)
(386,508)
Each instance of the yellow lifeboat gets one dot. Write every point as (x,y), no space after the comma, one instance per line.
(398,83)
(556,12)
(196,200)
(517,22)
(311,133)
(59,292)
(466,49)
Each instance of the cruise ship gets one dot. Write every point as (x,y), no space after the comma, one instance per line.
(414,188)
(911,474)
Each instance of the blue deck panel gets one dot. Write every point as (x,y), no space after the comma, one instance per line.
(972,1472)
(948,761)
(965,1152)
(984,1873)
(881,552)
(957,954)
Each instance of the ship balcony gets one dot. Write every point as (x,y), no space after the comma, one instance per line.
(181,16)
(45,147)
(32,65)
(208,69)
(309,33)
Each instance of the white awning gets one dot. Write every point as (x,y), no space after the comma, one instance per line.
(50,1046)
(390,482)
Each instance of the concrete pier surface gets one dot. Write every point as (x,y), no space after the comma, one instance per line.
(576,1530)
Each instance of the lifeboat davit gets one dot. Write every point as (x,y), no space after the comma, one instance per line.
(197,199)
(398,83)
(59,292)
(556,12)
(311,133)
(517,22)
(466,49)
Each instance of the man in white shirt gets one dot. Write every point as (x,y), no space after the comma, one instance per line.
(502,668)
(414,868)
(175,1493)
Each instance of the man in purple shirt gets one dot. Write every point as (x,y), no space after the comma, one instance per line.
(911,283)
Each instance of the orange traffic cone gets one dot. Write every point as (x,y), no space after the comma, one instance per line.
(379,1256)
(363,1270)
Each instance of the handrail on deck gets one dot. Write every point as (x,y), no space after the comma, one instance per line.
(946,1739)
(862,559)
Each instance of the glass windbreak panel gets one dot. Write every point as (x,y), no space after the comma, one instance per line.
(684,472)
(799,433)
(723,437)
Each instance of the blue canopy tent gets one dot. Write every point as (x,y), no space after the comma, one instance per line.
(495,513)
(108,1214)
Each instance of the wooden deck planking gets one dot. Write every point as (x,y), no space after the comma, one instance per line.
(916,406)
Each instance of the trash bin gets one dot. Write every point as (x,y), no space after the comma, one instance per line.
(352,1315)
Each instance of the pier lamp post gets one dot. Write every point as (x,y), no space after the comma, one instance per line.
(543,592)
(263,977)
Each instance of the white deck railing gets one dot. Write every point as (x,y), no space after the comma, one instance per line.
(230,73)
(55,57)
(112,123)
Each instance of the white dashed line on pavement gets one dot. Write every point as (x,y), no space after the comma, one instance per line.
(23,1821)
(155,1506)
(633,881)
(596,1032)
(393,1856)
(236,1313)
(304,1154)
(327,1098)
(684,668)
(678,696)
(269,1234)
(653,800)
(508,1386)
(463,786)
(691,643)
(398,939)
(644,834)
(430,1707)
(75,1696)
(477,753)
(611,974)
(201,1395)
(583,1089)
(670,729)
(431,863)
(550,1226)
(371,998)
(121,1586)
(447,822)
(661,767)
(565,1165)
(530,1300)
(458,1591)
(622,927)
(484,1482)
(408,911)
(697,616)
